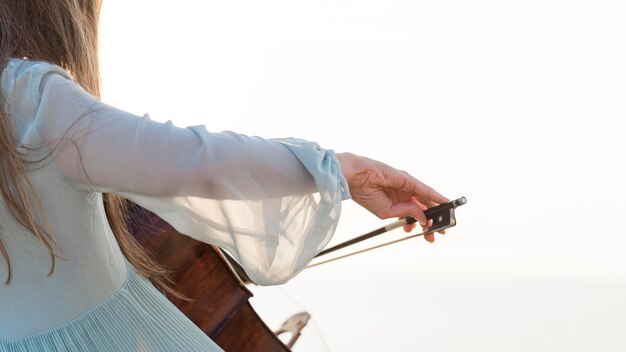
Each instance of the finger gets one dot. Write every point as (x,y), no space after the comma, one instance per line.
(430,237)
(426,203)
(425,192)
(406,209)
(409,227)
(402,180)
(443,232)
(419,204)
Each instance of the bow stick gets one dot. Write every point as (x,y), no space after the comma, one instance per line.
(442,216)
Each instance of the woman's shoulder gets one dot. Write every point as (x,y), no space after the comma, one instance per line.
(23,72)
(20,66)
(22,81)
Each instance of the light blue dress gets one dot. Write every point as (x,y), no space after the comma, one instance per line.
(271,203)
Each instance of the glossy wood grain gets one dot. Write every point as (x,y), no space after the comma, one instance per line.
(202,273)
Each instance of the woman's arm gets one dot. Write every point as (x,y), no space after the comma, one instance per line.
(273,204)
(124,152)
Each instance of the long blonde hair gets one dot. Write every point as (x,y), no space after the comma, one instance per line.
(63,32)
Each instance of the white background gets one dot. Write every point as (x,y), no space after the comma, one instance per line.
(519,106)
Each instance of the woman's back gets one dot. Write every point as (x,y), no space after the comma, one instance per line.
(94,300)
(95,266)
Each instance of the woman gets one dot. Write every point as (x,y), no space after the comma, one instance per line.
(66,157)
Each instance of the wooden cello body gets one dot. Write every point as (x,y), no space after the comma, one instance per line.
(203,273)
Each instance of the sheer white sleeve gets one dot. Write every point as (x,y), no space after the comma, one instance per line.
(272,203)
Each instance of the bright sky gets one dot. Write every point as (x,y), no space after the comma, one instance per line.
(518,106)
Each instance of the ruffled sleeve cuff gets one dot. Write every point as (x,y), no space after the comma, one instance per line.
(321,163)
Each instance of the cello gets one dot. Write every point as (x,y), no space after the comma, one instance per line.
(216,284)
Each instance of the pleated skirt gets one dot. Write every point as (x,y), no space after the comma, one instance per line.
(135,318)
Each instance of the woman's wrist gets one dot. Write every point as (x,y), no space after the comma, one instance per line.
(351,164)
(346,165)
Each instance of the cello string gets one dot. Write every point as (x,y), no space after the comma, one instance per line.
(366,249)
(310,337)
(317,335)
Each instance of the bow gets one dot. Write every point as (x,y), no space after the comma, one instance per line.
(442,216)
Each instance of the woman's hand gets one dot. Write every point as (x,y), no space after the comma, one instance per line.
(388,192)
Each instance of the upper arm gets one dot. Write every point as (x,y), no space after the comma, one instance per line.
(102,148)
